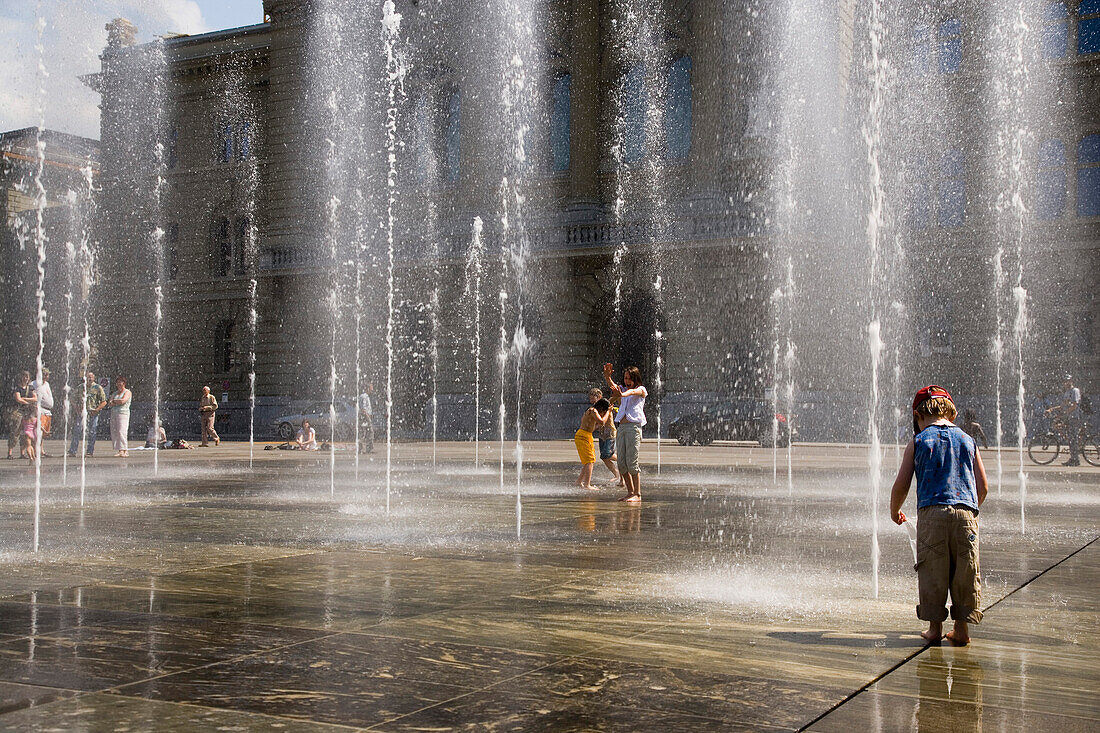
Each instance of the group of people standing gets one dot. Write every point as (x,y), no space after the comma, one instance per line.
(617,422)
(30,408)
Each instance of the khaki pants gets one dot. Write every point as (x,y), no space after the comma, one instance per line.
(947,562)
(208,427)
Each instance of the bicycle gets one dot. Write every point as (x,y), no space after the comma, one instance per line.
(1044,448)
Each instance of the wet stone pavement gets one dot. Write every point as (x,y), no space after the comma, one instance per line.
(215,597)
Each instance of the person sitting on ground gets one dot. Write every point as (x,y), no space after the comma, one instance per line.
(973,428)
(594,417)
(307,437)
(951,486)
(605,434)
(155,437)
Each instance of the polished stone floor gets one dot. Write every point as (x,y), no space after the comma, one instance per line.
(284,597)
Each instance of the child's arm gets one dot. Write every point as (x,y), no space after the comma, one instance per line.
(635,391)
(901,485)
(980,481)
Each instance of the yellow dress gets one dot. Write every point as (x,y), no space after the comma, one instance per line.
(586,448)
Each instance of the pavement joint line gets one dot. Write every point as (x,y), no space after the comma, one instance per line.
(910,657)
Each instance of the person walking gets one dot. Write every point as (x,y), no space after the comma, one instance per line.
(120,417)
(94,401)
(22,403)
(208,407)
(631,420)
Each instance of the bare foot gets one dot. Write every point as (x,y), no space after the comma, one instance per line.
(634,498)
(956,638)
(628,497)
(934,632)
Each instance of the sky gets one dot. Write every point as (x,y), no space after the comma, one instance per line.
(72,37)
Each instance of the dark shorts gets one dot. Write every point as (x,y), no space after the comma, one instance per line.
(607,447)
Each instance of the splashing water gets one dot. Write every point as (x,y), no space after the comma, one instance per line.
(473,291)
(40,244)
(395,72)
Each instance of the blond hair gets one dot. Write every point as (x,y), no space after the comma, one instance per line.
(595,392)
(938,407)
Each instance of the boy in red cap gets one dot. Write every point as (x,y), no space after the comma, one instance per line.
(951,486)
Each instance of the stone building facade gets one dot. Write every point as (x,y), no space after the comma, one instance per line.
(69,166)
(243,198)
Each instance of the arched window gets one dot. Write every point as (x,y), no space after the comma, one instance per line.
(221,239)
(1050,189)
(1088,176)
(678,109)
(952,189)
(635,102)
(560,121)
(452,134)
(950,45)
(223,346)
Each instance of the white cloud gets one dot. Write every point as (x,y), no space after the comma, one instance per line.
(73,37)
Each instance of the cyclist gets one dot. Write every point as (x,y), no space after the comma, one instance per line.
(1070,411)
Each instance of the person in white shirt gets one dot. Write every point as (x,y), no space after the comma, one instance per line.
(631,420)
(307,437)
(45,401)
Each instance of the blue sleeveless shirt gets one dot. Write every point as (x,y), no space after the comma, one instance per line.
(943,461)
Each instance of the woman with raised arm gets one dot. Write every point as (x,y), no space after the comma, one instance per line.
(631,420)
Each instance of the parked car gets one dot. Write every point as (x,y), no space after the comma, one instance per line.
(746,419)
(286,426)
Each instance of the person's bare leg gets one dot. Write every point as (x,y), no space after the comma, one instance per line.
(934,633)
(586,476)
(960,635)
(610,463)
(628,482)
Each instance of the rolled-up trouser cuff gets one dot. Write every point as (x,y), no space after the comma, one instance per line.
(933,614)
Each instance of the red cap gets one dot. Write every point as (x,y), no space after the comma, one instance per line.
(927,393)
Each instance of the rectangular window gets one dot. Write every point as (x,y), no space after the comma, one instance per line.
(678,111)
(452,131)
(171,253)
(560,122)
(225,142)
(950,34)
(952,193)
(1088,27)
(241,246)
(921,61)
(635,104)
(1088,192)
(244,141)
(1050,193)
(171,159)
(223,247)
